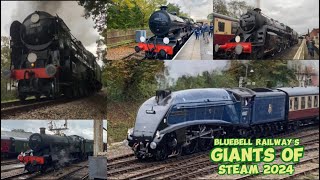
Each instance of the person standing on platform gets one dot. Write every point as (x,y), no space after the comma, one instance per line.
(310,45)
(206,30)
(211,30)
(197,32)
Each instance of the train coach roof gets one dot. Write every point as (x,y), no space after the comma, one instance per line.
(300,91)
(16,135)
(225,17)
(200,95)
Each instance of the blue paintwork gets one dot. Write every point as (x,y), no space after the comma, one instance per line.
(268,107)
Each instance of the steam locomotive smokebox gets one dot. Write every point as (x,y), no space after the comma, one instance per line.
(140,33)
(97,167)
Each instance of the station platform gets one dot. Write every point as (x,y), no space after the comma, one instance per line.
(195,49)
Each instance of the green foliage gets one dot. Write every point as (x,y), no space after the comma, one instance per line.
(266,73)
(98,11)
(5,65)
(207,79)
(132,80)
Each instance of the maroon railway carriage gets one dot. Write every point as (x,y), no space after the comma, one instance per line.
(303,103)
(225,28)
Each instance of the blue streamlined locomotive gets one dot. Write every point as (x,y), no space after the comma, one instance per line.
(183,122)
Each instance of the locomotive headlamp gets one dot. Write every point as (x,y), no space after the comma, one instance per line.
(142,39)
(238,39)
(35,18)
(32,64)
(32,57)
(153,145)
(238,49)
(6,73)
(51,70)
(216,47)
(166,40)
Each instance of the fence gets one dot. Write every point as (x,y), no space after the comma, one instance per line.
(117,37)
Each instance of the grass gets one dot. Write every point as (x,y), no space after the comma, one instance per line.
(121,116)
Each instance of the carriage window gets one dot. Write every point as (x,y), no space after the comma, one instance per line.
(221,26)
(296,103)
(303,102)
(291,103)
(315,101)
(309,102)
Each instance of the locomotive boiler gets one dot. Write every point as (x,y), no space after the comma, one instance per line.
(183,122)
(257,36)
(46,59)
(170,33)
(51,151)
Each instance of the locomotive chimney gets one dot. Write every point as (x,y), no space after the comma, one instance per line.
(164,8)
(42,130)
(258,4)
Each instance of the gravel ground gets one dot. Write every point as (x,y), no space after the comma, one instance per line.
(120,52)
(93,107)
(118,149)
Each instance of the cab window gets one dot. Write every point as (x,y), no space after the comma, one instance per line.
(315,101)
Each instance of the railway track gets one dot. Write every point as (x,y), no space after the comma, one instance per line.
(22,175)
(17,107)
(8,162)
(195,165)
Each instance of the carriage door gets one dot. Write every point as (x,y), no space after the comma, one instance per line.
(246,103)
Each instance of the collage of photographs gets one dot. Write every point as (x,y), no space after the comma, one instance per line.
(160,89)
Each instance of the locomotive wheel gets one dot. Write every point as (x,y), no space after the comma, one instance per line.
(38,97)
(191,148)
(22,97)
(205,144)
(161,153)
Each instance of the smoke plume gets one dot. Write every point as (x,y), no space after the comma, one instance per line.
(69,11)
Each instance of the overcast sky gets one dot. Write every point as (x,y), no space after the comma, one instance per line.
(298,14)
(197,9)
(69,11)
(193,68)
(82,128)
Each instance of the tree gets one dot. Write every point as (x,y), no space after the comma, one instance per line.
(236,8)
(220,6)
(177,9)
(132,80)
(18,130)
(275,73)
(98,11)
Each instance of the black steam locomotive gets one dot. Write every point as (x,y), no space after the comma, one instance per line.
(48,151)
(170,31)
(46,59)
(258,36)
